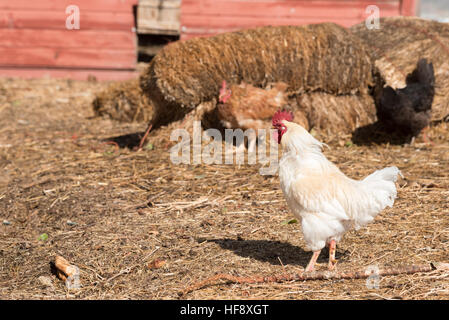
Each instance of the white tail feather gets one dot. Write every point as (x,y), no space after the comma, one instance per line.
(380,185)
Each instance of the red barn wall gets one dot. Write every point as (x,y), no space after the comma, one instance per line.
(208,17)
(34,40)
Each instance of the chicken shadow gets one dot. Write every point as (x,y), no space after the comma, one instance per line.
(130,141)
(271,251)
(377,133)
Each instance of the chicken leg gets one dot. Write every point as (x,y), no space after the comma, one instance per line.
(311,266)
(425,136)
(332,249)
(142,141)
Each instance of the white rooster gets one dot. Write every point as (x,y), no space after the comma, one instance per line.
(327,203)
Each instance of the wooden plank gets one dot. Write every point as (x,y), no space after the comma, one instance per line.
(48,19)
(253,21)
(207,31)
(409,7)
(66,73)
(176,4)
(157,17)
(230,22)
(207,17)
(61,5)
(144,30)
(80,58)
(28,38)
(283,8)
(322,3)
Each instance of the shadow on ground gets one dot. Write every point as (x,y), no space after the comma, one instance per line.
(130,141)
(271,251)
(377,133)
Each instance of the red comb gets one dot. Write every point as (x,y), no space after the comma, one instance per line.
(281,115)
(223,87)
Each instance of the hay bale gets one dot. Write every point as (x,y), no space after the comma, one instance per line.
(398,45)
(327,112)
(337,113)
(323,57)
(123,101)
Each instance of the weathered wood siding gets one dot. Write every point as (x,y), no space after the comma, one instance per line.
(208,17)
(34,40)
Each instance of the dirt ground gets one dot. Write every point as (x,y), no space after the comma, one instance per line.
(140,227)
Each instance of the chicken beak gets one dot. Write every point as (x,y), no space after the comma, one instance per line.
(224,96)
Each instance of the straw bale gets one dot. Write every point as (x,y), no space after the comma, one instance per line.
(123,101)
(324,57)
(337,113)
(327,112)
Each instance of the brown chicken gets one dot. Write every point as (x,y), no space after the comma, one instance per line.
(247,107)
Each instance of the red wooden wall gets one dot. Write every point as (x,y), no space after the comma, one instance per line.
(208,17)
(34,40)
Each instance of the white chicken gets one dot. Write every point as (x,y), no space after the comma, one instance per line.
(322,198)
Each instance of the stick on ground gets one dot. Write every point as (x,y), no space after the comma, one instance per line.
(142,141)
(64,269)
(318,275)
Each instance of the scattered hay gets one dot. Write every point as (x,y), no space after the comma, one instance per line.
(337,113)
(323,57)
(132,208)
(398,45)
(124,101)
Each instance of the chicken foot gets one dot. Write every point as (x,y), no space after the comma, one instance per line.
(426,137)
(332,249)
(311,266)
(332,261)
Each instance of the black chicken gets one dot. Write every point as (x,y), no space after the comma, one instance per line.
(407,110)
